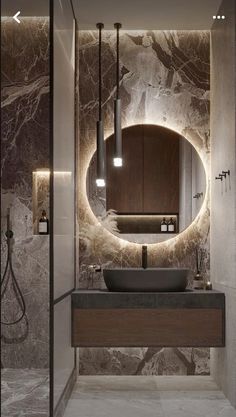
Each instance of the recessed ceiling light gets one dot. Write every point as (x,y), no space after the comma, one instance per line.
(223,17)
(214,17)
(218,17)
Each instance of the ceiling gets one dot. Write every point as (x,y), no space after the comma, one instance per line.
(147,14)
(133,14)
(26,7)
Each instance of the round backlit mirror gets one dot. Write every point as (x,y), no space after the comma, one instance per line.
(156,193)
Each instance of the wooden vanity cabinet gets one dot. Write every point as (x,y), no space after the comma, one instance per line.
(148,327)
(186,319)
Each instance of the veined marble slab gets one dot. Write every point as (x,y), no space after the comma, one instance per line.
(165,80)
(148,397)
(24,392)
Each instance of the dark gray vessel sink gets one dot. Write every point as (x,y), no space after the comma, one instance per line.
(146,280)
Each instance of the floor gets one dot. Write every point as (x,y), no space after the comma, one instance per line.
(141,396)
(24,393)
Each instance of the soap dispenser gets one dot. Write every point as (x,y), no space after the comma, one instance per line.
(43,224)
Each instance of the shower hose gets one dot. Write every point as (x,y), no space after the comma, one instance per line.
(9,273)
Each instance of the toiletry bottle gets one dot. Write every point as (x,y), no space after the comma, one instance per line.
(43,224)
(198,282)
(171,225)
(164,225)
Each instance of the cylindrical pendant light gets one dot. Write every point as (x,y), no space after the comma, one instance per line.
(117,160)
(100,181)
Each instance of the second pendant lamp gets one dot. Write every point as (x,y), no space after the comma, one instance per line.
(117,160)
(100,181)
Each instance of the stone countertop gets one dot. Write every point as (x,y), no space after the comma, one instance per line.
(103,299)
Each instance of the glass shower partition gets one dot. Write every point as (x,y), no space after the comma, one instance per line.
(25,193)
(38,365)
(63,204)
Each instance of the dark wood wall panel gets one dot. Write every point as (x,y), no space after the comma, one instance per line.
(148,182)
(160,171)
(125,184)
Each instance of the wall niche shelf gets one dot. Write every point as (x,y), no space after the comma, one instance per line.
(40,187)
(145,223)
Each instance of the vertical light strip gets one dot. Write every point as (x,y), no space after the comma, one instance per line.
(100,181)
(117,160)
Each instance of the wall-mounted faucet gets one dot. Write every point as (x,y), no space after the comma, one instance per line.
(144,256)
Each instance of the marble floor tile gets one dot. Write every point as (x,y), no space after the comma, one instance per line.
(24,393)
(116,383)
(135,396)
(185,383)
(191,407)
(115,407)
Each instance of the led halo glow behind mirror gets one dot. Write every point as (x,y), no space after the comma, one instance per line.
(157,194)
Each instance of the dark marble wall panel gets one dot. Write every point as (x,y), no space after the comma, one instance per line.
(25,147)
(165,79)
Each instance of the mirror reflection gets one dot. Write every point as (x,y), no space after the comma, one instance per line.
(157,192)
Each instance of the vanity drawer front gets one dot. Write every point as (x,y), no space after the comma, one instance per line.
(148,327)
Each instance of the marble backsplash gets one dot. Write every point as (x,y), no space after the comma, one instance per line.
(25,148)
(164,80)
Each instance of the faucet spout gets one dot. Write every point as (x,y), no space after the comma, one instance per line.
(144,257)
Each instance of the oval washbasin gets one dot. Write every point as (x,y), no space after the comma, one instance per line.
(146,280)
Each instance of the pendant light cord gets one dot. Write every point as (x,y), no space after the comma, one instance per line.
(100,26)
(117,65)
(100,75)
(118,27)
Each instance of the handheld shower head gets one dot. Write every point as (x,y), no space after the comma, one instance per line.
(10,272)
(9,233)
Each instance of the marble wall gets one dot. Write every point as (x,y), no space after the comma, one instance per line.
(24,148)
(165,78)
(223,195)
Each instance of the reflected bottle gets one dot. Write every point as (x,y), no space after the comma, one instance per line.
(164,225)
(43,224)
(171,225)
